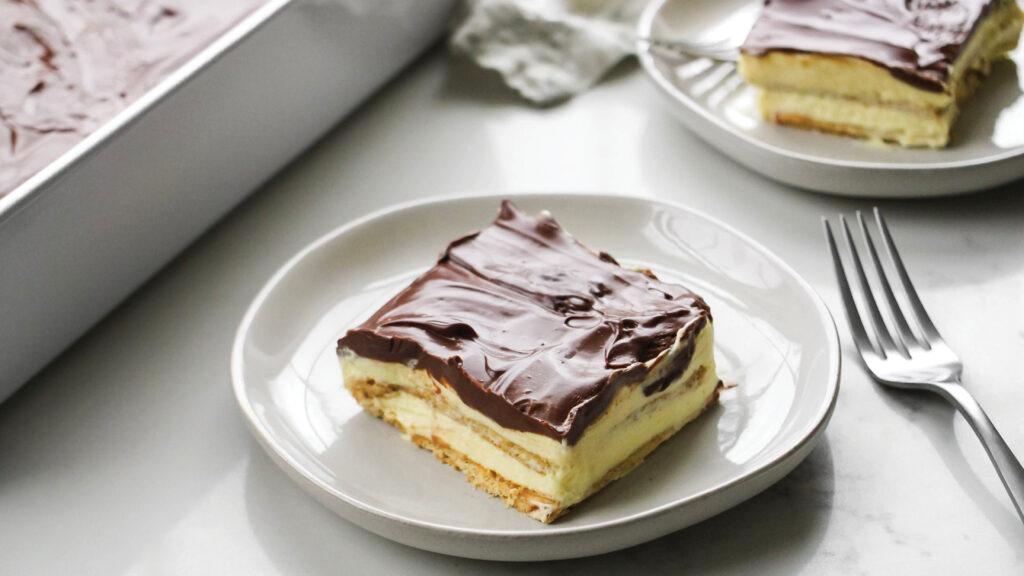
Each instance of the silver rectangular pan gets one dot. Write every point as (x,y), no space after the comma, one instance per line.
(81,235)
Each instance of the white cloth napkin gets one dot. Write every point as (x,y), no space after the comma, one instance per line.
(547,50)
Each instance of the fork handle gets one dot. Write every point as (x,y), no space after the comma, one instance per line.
(1007,465)
(713,51)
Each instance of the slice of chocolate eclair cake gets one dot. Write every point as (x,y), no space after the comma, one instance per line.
(891,70)
(541,369)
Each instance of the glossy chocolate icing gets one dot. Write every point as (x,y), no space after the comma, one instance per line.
(67,66)
(531,327)
(917,40)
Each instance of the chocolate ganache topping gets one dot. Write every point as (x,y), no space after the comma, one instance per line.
(68,66)
(917,40)
(531,327)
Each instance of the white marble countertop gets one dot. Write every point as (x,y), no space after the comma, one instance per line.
(128,456)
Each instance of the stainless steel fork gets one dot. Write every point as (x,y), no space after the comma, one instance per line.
(900,357)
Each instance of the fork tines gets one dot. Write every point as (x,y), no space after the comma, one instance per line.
(896,335)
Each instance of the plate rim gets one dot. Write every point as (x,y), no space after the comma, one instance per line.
(647,61)
(281,456)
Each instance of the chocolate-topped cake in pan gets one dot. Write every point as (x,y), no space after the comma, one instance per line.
(541,369)
(890,70)
(68,66)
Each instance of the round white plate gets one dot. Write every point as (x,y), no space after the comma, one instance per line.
(986,149)
(775,340)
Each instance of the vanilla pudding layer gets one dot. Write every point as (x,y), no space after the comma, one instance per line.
(856,97)
(905,125)
(537,474)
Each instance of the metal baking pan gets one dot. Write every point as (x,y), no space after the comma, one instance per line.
(81,235)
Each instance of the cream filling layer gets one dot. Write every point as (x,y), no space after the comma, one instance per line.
(908,126)
(565,473)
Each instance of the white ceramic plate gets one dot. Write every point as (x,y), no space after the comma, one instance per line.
(987,146)
(775,340)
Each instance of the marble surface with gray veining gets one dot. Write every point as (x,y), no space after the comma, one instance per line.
(128,456)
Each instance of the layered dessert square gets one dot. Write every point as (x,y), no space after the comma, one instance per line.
(541,369)
(888,70)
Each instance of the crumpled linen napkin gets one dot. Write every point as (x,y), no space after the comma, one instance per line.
(547,50)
